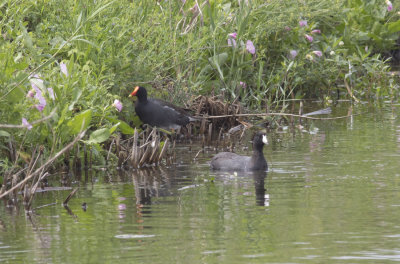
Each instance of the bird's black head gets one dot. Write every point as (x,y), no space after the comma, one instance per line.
(260,139)
(140,92)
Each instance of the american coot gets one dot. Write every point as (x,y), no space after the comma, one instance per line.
(159,113)
(234,162)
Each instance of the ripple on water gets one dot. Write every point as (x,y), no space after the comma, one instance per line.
(392,255)
(133,236)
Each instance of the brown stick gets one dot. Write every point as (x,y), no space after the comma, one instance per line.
(70,145)
(65,203)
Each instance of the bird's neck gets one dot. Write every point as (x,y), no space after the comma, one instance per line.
(258,152)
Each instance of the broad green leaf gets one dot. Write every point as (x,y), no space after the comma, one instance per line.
(394,26)
(217,61)
(99,136)
(76,95)
(38,83)
(123,126)
(4,133)
(76,123)
(16,95)
(114,127)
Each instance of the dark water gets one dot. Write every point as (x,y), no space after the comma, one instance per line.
(331,195)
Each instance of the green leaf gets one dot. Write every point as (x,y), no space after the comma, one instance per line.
(114,127)
(394,27)
(4,133)
(99,136)
(76,95)
(123,126)
(16,95)
(76,123)
(218,60)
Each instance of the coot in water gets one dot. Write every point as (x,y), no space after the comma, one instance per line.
(159,113)
(233,162)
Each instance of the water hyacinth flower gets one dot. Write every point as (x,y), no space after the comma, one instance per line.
(303,23)
(309,38)
(231,39)
(317,52)
(232,35)
(118,105)
(64,69)
(41,105)
(51,93)
(293,54)
(231,42)
(250,47)
(316,31)
(389,5)
(26,124)
(39,96)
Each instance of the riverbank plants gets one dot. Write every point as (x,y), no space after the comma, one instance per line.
(68,66)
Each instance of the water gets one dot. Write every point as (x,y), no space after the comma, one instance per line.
(331,195)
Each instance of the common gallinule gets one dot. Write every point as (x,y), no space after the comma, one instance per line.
(159,113)
(233,162)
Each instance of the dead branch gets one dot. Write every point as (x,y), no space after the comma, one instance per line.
(37,171)
(277,114)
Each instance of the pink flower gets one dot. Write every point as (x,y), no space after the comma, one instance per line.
(26,124)
(51,93)
(243,85)
(39,96)
(40,107)
(118,105)
(389,5)
(232,35)
(64,69)
(309,38)
(287,28)
(250,47)
(293,54)
(317,52)
(316,31)
(31,93)
(303,23)
(42,100)
(231,42)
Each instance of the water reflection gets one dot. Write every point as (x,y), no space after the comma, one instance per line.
(257,178)
(150,183)
(259,184)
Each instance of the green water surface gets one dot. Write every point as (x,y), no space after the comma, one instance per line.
(331,195)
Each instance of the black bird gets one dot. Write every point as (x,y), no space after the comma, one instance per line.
(233,162)
(159,113)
